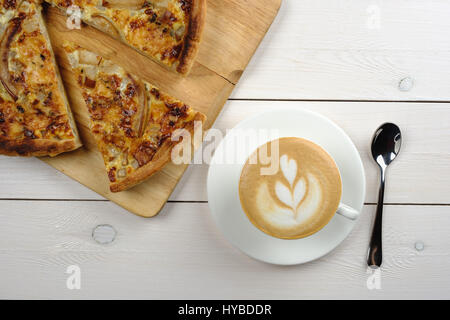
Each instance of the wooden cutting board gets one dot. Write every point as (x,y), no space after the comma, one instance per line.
(233,31)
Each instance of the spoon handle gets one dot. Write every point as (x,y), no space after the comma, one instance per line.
(375,257)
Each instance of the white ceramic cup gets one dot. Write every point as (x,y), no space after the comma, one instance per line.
(347,211)
(343,209)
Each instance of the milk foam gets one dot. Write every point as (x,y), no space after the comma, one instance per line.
(312,201)
(288,197)
(299,198)
(303,197)
(289,168)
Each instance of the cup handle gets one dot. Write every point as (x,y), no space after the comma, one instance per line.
(347,211)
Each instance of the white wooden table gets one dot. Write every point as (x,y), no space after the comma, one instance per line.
(344,59)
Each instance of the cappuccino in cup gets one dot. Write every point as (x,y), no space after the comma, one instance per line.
(299,197)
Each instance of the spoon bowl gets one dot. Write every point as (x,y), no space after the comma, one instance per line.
(386,144)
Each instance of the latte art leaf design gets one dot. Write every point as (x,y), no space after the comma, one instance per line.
(299,192)
(294,194)
(284,194)
(289,168)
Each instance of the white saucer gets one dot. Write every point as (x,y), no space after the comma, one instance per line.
(223,182)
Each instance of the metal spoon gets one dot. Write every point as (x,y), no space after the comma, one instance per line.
(386,145)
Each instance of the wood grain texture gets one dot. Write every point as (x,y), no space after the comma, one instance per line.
(181,255)
(420,174)
(353,50)
(206,89)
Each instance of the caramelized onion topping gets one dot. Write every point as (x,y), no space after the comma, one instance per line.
(125,4)
(5,78)
(104,24)
(143,106)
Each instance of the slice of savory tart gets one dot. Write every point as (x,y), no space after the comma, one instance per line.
(35,118)
(168,31)
(132,121)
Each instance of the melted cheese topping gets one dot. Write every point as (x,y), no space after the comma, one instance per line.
(130,119)
(157,28)
(39,111)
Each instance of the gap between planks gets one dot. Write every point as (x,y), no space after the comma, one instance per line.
(342,100)
(203,202)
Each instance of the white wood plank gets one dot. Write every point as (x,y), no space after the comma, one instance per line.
(181,255)
(420,175)
(353,50)
(30,178)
